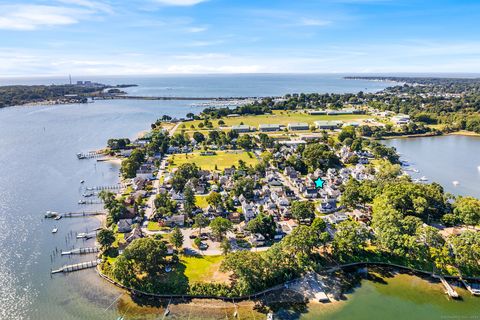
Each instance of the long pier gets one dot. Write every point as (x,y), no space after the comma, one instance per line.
(89,155)
(112,187)
(74,214)
(77,267)
(84,250)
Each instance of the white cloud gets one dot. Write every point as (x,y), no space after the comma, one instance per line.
(184,3)
(197,29)
(314,22)
(89,4)
(31,17)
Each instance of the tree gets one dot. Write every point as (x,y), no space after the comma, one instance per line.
(303,210)
(347,133)
(244,186)
(220,226)
(105,237)
(146,255)
(319,156)
(198,136)
(225,246)
(468,210)
(190,115)
(177,238)
(184,173)
(200,221)
(263,224)
(214,199)
(245,141)
(349,239)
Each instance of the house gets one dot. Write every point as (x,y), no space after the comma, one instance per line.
(359,216)
(234,217)
(335,218)
(328,125)
(297,126)
(401,119)
(327,206)
(248,211)
(317,112)
(124,225)
(241,128)
(256,239)
(175,220)
(135,234)
(269,127)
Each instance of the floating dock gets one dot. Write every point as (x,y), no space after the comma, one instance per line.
(112,187)
(77,267)
(85,250)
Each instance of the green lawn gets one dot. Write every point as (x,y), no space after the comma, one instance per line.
(222,159)
(201,201)
(153,226)
(202,268)
(281,118)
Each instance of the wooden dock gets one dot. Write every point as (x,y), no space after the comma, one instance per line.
(77,266)
(82,214)
(473,291)
(449,289)
(84,250)
(112,187)
(89,155)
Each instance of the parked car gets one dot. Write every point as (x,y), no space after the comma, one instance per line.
(203,246)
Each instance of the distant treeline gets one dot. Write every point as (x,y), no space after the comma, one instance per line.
(21,94)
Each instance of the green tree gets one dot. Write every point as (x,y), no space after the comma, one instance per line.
(468,210)
(303,210)
(220,226)
(225,246)
(215,199)
(244,186)
(263,224)
(200,221)
(177,238)
(105,237)
(245,141)
(319,156)
(349,239)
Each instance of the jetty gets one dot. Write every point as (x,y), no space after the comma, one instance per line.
(55,215)
(111,187)
(89,155)
(449,289)
(84,250)
(77,266)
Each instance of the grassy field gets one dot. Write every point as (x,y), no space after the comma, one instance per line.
(153,226)
(203,268)
(280,117)
(201,201)
(222,159)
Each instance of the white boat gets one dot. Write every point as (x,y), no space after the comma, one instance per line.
(270,316)
(82,181)
(456,183)
(423,178)
(58,217)
(54,230)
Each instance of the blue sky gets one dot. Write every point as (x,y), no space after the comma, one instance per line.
(117,37)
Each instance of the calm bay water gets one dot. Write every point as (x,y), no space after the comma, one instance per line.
(39,172)
(444,159)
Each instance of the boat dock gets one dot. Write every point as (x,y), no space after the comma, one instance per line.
(89,155)
(112,187)
(85,250)
(77,266)
(449,289)
(75,214)
(473,291)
